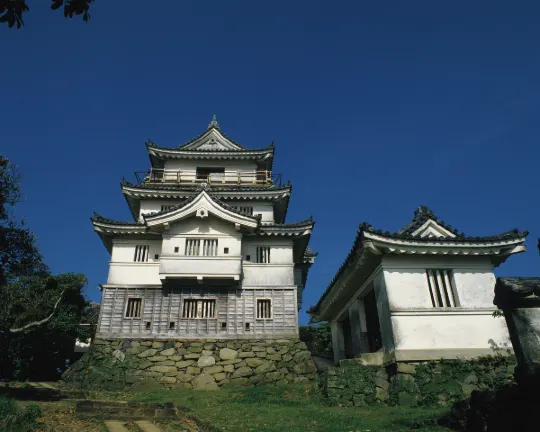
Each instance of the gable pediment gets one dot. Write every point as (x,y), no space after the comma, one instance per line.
(212,140)
(202,206)
(432,229)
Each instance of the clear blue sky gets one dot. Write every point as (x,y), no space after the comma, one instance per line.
(375,108)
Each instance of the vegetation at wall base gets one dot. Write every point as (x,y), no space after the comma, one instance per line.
(318,339)
(13,418)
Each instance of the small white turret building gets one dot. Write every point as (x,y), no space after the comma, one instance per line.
(424,292)
(209,254)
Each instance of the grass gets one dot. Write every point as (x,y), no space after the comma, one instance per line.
(294,408)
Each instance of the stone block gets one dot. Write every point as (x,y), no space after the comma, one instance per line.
(302,356)
(242,372)
(238,382)
(213,370)
(157,344)
(275,357)
(148,353)
(183,377)
(300,346)
(261,354)
(196,344)
(191,356)
(208,346)
(305,367)
(168,352)
(193,370)
(133,350)
(151,374)
(169,345)
(228,354)
(246,354)
(164,363)
(207,353)
(205,361)
(181,351)
(381,394)
(220,376)
(229,362)
(258,348)
(163,369)
(287,358)
(145,343)
(271,350)
(254,362)
(228,368)
(256,379)
(157,358)
(406,368)
(184,364)
(174,358)
(382,383)
(144,364)
(273,376)
(178,344)
(135,344)
(267,366)
(194,349)
(168,380)
(204,382)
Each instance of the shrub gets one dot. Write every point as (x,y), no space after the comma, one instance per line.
(15,419)
(318,339)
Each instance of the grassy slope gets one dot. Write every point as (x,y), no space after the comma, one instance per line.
(293,409)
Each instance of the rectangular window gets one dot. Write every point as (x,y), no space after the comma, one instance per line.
(141,253)
(133,308)
(204,172)
(264,308)
(244,209)
(201,247)
(263,254)
(441,288)
(199,308)
(166,207)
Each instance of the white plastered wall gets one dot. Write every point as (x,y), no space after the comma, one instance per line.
(466,330)
(124,270)
(280,270)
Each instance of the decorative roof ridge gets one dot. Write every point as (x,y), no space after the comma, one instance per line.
(308,221)
(421,215)
(309,252)
(194,187)
(101,219)
(510,289)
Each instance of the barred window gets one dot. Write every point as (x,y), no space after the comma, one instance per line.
(263,254)
(264,308)
(201,247)
(244,209)
(134,308)
(167,207)
(441,288)
(141,253)
(194,308)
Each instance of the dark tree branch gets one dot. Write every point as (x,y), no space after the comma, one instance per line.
(40,322)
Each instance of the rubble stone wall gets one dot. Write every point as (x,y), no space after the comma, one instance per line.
(135,364)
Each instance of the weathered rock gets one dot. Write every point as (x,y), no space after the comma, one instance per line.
(191,356)
(246,354)
(174,358)
(157,358)
(204,382)
(305,367)
(275,357)
(271,350)
(220,376)
(148,353)
(206,361)
(254,362)
(382,383)
(228,354)
(195,349)
(256,379)
(261,354)
(183,377)
(213,370)
(163,369)
(302,356)
(168,380)
(193,370)
(406,368)
(273,376)
(181,351)
(164,363)
(184,364)
(381,394)
(144,364)
(168,352)
(228,368)
(157,344)
(207,353)
(243,372)
(267,366)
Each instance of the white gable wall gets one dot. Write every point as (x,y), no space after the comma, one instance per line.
(124,270)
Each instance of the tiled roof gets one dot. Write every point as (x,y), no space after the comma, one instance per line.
(98,218)
(421,215)
(511,289)
(191,188)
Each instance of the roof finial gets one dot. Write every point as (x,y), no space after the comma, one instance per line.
(214,122)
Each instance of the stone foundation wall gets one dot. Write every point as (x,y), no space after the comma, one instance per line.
(120,364)
(433,383)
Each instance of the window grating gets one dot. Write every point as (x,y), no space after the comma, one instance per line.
(441,288)
(141,253)
(199,308)
(263,254)
(264,308)
(166,207)
(201,247)
(244,209)
(133,308)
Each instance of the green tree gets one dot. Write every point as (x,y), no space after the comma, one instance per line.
(39,313)
(11,11)
(318,338)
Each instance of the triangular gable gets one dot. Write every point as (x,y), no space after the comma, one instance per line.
(202,206)
(212,140)
(432,229)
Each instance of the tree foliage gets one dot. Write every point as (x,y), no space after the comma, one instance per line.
(318,338)
(39,313)
(11,11)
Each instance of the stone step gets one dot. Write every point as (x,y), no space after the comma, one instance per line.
(146,426)
(116,426)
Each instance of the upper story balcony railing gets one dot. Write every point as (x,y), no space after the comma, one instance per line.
(224,177)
